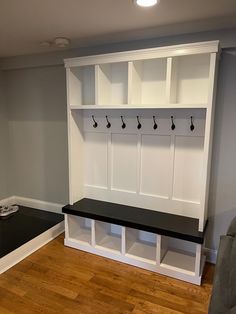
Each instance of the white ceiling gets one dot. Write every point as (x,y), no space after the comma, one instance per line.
(26,23)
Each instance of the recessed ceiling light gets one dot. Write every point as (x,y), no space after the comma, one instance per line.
(146,3)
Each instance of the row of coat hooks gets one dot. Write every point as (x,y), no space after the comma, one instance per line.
(139,125)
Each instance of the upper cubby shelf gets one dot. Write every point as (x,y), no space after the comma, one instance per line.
(147,84)
(167,77)
(112,84)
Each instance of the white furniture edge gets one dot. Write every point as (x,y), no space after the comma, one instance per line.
(28,248)
(167,106)
(151,53)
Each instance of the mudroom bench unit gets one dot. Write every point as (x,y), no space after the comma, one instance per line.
(140,129)
(166,243)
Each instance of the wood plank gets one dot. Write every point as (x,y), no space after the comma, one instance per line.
(56,279)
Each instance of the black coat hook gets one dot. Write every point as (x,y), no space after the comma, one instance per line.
(108,123)
(123,123)
(155,124)
(192,127)
(95,123)
(172,123)
(139,124)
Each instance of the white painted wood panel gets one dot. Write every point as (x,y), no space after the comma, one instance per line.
(155,165)
(124,162)
(149,79)
(96,158)
(188,162)
(192,75)
(113,84)
(82,85)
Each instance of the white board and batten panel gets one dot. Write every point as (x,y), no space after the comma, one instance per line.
(96,159)
(155,165)
(124,155)
(188,162)
(141,167)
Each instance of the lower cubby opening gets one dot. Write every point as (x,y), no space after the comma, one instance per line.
(141,245)
(178,255)
(108,236)
(79,229)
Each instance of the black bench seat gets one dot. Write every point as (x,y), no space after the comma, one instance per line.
(176,226)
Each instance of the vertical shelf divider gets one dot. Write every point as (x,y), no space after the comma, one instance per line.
(93,241)
(130,82)
(97,69)
(158,248)
(168,80)
(123,241)
(171,80)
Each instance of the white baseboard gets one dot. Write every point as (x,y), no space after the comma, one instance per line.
(38,204)
(211,255)
(8,201)
(28,248)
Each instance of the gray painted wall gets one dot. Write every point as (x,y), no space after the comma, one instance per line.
(37,121)
(36,100)
(4,144)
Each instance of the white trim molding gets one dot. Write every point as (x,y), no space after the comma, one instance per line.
(8,201)
(34,203)
(28,248)
(38,204)
(211,255)
(142,54)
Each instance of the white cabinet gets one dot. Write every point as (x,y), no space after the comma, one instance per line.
(140,127)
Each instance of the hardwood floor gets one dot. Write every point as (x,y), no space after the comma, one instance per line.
(57,279)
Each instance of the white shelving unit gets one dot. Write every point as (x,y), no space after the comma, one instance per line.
(172,257)
(165,169)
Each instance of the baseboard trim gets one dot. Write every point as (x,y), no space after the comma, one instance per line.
(8,201)
(38,204)
(28,248)
(211,255)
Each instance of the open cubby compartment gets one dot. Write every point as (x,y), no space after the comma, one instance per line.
(148,82)
(80,229)
(189,79)
(141,245)
(82,85)
(108,236)
(112,83)
(179,255)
